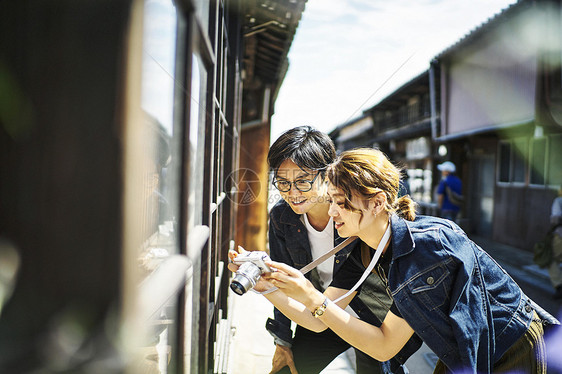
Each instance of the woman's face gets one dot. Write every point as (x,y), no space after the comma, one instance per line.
(348,222)
(301,202)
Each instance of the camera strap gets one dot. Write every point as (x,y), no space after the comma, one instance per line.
(339,247)
(327,255)
(378,253)
(318,261)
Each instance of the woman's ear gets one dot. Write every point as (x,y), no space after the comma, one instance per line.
(378,202)
(373,206)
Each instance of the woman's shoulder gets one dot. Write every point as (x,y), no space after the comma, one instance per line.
(431,222)
(435,229)
(430,240)
(441,233)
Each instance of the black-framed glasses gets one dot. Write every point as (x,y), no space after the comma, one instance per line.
(302,185)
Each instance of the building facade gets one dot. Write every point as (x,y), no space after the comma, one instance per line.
(401,125)
(124,127)
(491,103)
(500,117)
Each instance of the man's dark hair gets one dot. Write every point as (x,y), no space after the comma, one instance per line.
(305,146)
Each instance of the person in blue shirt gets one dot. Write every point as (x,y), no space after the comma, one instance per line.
(448,178)
(444,287)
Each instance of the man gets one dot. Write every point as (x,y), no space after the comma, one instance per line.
(450,184)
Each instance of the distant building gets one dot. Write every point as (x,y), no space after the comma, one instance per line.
(501,116)
(492,104)
(354,133)
(401,126)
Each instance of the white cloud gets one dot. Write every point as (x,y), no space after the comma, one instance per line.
(344,50)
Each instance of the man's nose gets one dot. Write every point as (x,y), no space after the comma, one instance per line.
(294,190)
(332,211)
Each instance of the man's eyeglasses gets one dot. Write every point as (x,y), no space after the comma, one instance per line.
(302,185)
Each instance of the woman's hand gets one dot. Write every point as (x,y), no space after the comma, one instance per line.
(262,284)
(293,284)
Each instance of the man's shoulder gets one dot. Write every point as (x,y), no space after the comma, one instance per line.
(454,182)
(453,178)
(279,207)
(281,211)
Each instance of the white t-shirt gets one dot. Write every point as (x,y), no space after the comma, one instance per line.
(320,243)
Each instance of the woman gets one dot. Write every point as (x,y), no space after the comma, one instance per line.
(444,287)
(300,230)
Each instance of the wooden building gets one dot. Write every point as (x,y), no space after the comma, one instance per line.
(501,117)
(401,126)
(124,125)
(492,104)
(356,132)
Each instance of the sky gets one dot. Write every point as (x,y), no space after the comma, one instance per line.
(347,55)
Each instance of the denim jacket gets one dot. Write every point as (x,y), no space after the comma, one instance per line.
(288,243)
(463,305)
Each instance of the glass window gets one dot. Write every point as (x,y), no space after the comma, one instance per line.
(196,237)
(426,105)
(513,161)
(555,160)
(419,182)
(202,8)
(504,161)
(519,155)
(196,144)
(537,162)
(160,136)
(161,149)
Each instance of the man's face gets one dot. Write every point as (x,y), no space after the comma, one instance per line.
(301,201)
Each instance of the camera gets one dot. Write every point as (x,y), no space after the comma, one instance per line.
(252,266)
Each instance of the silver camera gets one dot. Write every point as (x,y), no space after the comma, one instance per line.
(252,266)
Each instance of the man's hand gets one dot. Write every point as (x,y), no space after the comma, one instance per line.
(283,357)
(262,285)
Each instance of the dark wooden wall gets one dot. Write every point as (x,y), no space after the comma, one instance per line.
(60,167)
(521,215)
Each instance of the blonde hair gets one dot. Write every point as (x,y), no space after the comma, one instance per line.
(365,172)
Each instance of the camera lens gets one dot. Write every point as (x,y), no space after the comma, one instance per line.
(237,288)
(241,283)
(246,278)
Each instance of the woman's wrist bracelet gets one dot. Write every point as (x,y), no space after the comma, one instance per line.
(319,311)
